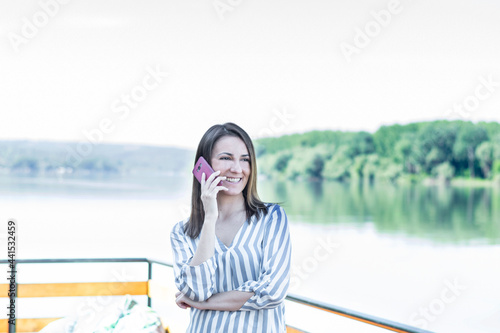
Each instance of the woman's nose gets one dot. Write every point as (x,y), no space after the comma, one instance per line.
(236,167)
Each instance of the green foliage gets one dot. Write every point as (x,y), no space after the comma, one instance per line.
(361,144)
(338,167)
(403,149)
(303,163)
(468,139)
(282,162)
(370,167)
(495,170)
(485,155)
(492,128)
(415,151)
(436,141)
(444,172)
(386,137)
(309,139)
(357,166)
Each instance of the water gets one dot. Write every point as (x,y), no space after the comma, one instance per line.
(424,256)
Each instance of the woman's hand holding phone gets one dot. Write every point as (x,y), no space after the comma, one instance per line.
(209,190)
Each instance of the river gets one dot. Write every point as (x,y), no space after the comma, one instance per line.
(424,256)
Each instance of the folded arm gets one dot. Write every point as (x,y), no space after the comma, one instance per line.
(227,301)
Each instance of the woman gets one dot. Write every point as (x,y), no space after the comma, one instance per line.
(232,255)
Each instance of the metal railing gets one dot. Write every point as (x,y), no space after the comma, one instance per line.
(355,315)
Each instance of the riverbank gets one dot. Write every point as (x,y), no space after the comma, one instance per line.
(464,182)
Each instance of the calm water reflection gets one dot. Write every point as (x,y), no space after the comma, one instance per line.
(442,214)
(457,215)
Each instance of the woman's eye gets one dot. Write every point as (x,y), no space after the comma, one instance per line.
(224,158)
(246,159)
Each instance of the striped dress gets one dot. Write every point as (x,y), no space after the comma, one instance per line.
(258,261)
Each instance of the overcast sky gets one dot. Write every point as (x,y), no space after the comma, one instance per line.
(161,72)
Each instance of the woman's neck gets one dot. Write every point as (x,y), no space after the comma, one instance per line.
(229,205)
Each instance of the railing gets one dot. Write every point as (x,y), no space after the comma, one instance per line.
(144,288)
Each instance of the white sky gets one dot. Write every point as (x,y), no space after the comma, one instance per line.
(262,57)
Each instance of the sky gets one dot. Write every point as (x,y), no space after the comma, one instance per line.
(162,72)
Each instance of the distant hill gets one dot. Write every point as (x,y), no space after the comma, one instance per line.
(46,158)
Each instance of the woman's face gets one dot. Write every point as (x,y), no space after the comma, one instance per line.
(230,156)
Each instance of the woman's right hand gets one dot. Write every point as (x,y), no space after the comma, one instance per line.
(209,190)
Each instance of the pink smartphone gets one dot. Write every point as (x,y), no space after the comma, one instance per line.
(201,167)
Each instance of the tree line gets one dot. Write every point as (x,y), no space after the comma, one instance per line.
(42,158)
(440,150)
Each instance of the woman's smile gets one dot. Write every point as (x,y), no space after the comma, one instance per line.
(233,180)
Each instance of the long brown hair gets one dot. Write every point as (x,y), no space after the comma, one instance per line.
(253,205)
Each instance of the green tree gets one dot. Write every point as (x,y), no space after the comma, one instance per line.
(468,139)
(370,167)
(485,155)
(360,144)
(337,168)
(436,141)
(402,153)
(282,161)
(386,137)
(444,172)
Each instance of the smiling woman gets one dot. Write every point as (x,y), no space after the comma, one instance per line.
(232,255)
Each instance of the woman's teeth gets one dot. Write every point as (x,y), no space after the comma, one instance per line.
(233,180)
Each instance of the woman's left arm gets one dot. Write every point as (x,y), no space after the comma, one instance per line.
(226,301)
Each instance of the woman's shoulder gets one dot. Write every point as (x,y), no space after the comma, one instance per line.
(179,227)
(271,206)
(273,209)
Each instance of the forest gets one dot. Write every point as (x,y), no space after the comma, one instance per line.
(437,151)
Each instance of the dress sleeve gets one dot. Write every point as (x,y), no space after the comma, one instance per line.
(196,282)
(272,285)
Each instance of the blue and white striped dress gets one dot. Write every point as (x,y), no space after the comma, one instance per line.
(258,261)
